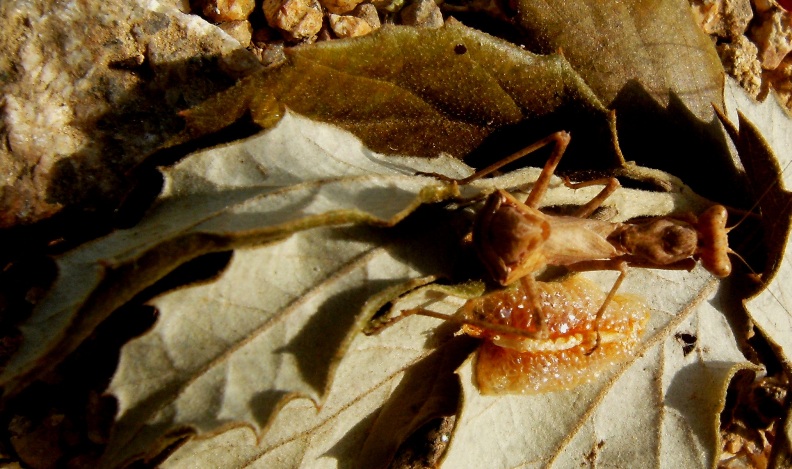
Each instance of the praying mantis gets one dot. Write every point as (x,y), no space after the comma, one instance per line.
(515,241)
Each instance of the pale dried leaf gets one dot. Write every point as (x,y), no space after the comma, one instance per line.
(661,408)
(270,330)
(251,193)
(765,137)
(276,335)
(770,116)
(302,435)
(269,296)
(251,347)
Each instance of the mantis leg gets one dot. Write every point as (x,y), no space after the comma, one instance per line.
(486,325)
(531,290)
(611,184)
(560,140)
(606,302)
(528,283)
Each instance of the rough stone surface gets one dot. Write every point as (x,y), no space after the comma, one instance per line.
(242,31)
(300,20)
(740,61)
(780,81)
(227,10)
(339,7)
(422,13)
(773,37)
(83,106)
(362,20)
(723,18)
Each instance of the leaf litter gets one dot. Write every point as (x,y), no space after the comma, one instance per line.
(247,363)
(152,420)
(164,386)
(760,130)
(206,207)
(657,45)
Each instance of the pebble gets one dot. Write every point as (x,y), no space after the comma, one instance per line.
(298,19)
(242,31)
(362,20)
(227,10)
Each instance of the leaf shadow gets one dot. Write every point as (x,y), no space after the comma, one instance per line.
(265,404)
(320,343)
(674,140)
(352,439)
(429,390)
(591,147)
(430,240)
(765,178)
(689,386)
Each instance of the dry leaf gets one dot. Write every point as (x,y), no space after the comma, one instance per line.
(276,184)
(637,413)
(273,344)
(763,133)
(267,365)
(651,63)
(657,44)
(271,330)
(416,91)
(272,350)
(258,361)
(302,435)
(659,396)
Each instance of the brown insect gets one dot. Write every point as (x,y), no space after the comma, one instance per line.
(514,239)
(547,336)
